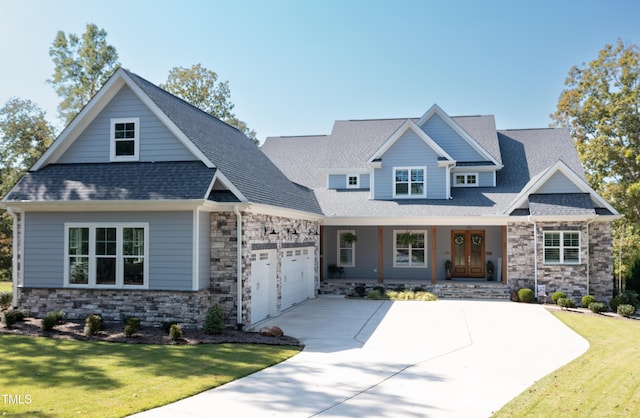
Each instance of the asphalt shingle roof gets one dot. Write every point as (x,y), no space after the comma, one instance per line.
(121,181)
(561,204)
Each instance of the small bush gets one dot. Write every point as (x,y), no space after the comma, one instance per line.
(626,310)
(175,332)
(557,295)
(214,321)
(597,307)
(166,326)
(48,322)
(9,318)
(21,314)
(525,295)
(566,303)
(588,300)
(614,302)
(359,291)
(5,300)
(92,324)
(412,295)
(132,326)
(629,297)
(377,292)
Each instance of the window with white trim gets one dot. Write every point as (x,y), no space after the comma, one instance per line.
(346,249)
(466,180)
(562,247)
(106,255)
(353,181)
(409,249)
(125,139)
(409,182)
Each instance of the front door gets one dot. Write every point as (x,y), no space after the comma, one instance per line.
(467,248)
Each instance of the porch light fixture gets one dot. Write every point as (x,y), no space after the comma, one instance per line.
(273,231)
(294,232)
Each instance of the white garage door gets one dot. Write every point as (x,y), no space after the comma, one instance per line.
(297,276)
(263,284)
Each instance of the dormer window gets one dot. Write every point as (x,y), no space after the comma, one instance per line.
(466,180)
(409,182)
(125,139)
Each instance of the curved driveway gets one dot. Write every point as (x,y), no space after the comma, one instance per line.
(364,358)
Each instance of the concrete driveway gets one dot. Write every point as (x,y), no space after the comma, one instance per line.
(364,358)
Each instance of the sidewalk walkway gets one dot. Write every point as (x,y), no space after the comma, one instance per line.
(363,358)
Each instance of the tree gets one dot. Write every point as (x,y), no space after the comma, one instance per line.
(601,108)
(200,87)
(25,134)
(82,66)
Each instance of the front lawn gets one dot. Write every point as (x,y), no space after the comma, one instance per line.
(603,382)
(6,286)
(60,378)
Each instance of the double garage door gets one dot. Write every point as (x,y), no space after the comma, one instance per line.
(296,280)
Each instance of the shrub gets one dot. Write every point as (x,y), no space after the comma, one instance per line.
(175,332)
(418,289)
(132,326)
(629,297)
(9,318)
(5,300)
(614,302)
(626,310)
(566,303)
(52,319)
(525,295)
(214,321)
(588,300)
(359,291)
(166,326)
(597,307)
(92,324)
(21,314)
(557,295)
(377,292)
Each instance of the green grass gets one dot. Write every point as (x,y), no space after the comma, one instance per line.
(61,378)
(6,286)
(603,382)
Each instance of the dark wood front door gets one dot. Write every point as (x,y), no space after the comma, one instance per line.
(467,249)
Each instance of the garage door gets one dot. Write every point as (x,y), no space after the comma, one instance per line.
(297,276)
(263,284)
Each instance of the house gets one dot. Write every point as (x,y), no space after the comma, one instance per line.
(146,206)
(423,193)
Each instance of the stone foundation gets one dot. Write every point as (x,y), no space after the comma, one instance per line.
(153,307)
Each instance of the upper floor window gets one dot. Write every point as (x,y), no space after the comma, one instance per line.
(409,182)
(106,255)
(466,180)
(353,181)
(125,139)
(562,247)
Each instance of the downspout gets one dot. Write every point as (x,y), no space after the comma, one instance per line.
(535,254)
(239,324)
(14,258)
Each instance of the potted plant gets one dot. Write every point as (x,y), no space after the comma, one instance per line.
(447,269)
(333,270)
(490,271)
(349,238)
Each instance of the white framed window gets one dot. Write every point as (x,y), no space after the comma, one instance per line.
(465,180)
(106,255)
(125,139)
(409,182)
(346,249)
(353,181)
(410,249)
(562,247)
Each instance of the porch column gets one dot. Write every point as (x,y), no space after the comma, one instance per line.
(380,254)
(321,251)
(433,255)
(504,255)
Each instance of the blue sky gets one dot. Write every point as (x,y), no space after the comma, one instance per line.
(296,66)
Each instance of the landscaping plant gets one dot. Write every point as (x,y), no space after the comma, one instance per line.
(214,321)
(626,310)
(597,307)
(526,295)
(566,303)
(587,300)
(5,300)
(557,295)
(92,324)
(175,332)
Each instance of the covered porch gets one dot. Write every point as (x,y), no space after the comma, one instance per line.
(414,255)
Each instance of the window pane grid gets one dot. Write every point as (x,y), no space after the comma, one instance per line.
(562,247)
(410,254)
(409,181)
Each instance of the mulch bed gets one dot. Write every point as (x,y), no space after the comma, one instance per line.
(114,332)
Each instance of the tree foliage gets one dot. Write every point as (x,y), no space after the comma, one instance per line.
(25,134)
(82,65)
(601,107)
(200,87)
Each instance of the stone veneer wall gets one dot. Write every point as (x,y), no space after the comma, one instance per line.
(595,252)
(256,235)
(153,307)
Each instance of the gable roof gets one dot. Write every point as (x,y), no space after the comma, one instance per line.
(238,162)
(410,125)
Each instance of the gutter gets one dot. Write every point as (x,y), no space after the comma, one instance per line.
(239,324)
